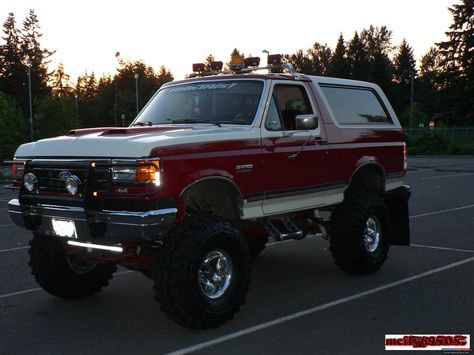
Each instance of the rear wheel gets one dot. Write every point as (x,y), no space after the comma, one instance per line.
(360,229)
(66,273)
(203,273)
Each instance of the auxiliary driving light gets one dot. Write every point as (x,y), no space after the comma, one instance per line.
(72,184)
(29,182)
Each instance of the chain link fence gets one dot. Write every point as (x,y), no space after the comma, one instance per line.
(454,135)
(440,141)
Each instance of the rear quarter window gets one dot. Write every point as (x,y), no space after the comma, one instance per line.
(356,105)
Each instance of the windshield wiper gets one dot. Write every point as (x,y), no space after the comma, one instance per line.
(189,120)
(143,123)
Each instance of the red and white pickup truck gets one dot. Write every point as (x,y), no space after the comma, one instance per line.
(210,168)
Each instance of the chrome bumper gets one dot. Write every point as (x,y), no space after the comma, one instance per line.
(106,225)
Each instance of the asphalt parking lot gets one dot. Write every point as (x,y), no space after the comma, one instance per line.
(299,301)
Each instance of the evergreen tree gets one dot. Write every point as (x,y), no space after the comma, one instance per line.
(430,68)
(377,40)
(338,65)
(38,57)
(357,59)
(13,72)
(404,67)
(457,62)
(148,83)
(319,56)
(300,61)
(13,128)
(429,80)
(103,105)
(61,85)
(208,63)
(164,76)
(378,46)
(55,116)
(381,72)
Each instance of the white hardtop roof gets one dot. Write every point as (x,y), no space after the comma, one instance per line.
(338,81)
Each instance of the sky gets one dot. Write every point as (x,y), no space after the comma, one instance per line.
(86,34)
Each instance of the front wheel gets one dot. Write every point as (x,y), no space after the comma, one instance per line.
(66,273)
(203,273)
(360,233)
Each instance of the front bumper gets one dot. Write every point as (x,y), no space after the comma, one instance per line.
(103,226)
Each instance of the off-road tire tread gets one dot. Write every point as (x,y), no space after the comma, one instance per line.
(347,227)
(52,272)
(174,276)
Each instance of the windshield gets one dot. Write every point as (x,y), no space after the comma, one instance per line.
(216,102)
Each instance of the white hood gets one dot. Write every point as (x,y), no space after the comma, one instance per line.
(132,142)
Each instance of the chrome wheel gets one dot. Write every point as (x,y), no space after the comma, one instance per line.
(372,234)
(215,273)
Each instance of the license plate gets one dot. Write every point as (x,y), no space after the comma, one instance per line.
(64,228)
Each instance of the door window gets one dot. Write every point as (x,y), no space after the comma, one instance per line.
(288,101)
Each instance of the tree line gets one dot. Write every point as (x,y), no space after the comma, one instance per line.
(441,88)
(60,103)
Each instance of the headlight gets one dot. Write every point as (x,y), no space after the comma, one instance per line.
(72,184)
(29,182)
(142,171)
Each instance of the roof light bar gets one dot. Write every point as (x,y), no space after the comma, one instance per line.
(96,246)
(217,66)
(239,64)
(252,62)
(198,67)
(274,59)
(236,62)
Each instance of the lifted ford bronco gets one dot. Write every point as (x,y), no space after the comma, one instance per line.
(210,169)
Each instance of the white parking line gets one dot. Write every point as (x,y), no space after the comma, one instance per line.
(5,295)
(12,249)
(6,225)
(309,311)
(441,248)
(442,211)
(420,170)
(446,176)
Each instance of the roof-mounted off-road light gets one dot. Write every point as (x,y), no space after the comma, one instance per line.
(29,182)
(252,62)
(274,59)
(236,62)
(198,67)
(217,66)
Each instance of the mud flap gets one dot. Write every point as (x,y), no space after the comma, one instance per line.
(397,203)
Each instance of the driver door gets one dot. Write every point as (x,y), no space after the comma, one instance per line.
(294,160)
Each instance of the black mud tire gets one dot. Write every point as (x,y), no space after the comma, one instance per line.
(256,245)
(348,236)
(177,286)
(52,271)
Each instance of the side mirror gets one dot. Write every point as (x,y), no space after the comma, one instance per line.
(306,122)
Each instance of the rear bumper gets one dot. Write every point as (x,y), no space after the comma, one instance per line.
(102,226)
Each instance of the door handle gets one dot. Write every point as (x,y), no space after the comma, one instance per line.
(320,140)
